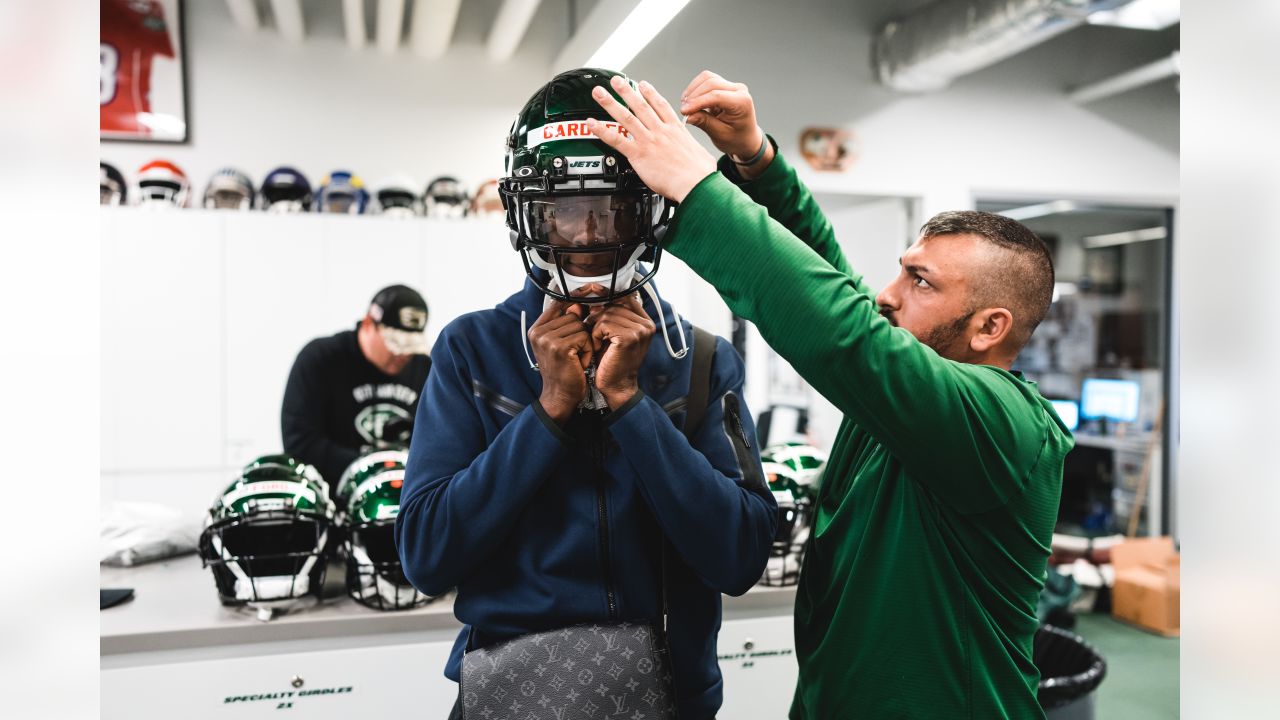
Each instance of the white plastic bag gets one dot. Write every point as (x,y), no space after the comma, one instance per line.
(134,533)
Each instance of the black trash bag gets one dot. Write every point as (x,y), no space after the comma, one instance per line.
(1069,667)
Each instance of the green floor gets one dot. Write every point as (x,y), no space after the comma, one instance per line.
(1142,670)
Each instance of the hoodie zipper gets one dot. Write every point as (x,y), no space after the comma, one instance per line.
(602,507)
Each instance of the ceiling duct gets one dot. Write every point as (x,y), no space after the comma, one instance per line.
(940,42)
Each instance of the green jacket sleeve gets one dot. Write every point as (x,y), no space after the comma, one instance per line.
(792,205)
(970,433)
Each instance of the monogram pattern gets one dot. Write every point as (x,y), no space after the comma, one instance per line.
(585,672)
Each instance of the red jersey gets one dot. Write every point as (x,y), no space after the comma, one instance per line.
(133,32)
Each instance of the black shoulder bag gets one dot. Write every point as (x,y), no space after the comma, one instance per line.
(585,671)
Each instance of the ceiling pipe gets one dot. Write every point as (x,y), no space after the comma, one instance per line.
(927,49)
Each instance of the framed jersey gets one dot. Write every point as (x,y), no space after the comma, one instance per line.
(143,79)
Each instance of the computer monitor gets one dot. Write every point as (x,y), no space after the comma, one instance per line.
(1115,400)
(1069,411)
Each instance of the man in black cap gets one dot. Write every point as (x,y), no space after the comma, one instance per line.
(358,389)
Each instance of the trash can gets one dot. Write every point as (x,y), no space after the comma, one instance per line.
(1070,672)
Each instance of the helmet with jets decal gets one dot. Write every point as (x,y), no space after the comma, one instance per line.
(576,210)
(266,534)
(375,577)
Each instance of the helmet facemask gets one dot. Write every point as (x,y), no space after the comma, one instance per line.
(786,552)
(375,577)
(162,192)
(585,228)
(267,559)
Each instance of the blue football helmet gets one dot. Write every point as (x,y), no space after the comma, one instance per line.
(285,190)
(342,192)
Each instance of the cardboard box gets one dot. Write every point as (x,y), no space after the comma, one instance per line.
(1148,584)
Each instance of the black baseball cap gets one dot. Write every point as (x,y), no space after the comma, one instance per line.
(401,314)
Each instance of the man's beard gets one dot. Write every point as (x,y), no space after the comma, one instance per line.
(943,337)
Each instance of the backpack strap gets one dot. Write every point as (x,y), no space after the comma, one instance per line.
(704,351)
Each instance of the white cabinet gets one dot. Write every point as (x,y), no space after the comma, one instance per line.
(382,681)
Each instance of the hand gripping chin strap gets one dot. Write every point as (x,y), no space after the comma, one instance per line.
(662,322)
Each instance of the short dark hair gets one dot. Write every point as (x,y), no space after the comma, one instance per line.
(1021,281)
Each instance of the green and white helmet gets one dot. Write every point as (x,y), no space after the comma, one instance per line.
(365,467)
(266,534)
(792,470)
(375,577)
(806,461)
(576,210)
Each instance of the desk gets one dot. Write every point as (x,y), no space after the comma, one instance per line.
(1128,455)
(175,650)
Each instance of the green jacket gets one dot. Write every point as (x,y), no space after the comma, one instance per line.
(931,533)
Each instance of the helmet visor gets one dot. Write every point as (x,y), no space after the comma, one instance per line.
(582,221)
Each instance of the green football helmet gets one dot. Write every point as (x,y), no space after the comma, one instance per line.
(806,461)
(792,470)
(375,577)
(265,536)
(365,467)
(576,210)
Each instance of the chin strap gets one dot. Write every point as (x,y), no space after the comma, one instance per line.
(662,323)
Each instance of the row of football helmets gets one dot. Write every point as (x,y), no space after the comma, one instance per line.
(269,536)
(161,183)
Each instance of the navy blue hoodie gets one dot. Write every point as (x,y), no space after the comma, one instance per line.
(540,527)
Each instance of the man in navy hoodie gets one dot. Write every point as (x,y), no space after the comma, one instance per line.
(549,461)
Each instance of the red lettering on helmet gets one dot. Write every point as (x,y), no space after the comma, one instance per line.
(546,132)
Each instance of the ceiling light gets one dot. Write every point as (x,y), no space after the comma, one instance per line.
(1140,15)
(634,33)
(1124,238)
(1027,212)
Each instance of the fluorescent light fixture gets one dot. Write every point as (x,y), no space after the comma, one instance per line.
(1027,212)
(1063,289)
(1140,15)
(634,33)
(1124,238)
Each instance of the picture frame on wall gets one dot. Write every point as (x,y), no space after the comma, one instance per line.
(143,83)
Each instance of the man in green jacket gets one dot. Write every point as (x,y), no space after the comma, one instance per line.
(936,510)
